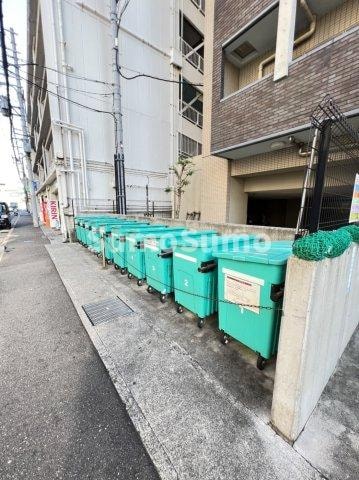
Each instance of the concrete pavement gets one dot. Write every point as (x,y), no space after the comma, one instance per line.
(202,409)
(60,416)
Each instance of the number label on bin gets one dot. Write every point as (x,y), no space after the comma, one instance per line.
(243,290)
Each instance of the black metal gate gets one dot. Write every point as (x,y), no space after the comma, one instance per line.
(331,172)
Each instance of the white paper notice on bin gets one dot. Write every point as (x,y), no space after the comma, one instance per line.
(243,290)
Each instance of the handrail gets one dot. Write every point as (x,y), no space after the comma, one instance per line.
(191,114)
(193,57)
(200,4)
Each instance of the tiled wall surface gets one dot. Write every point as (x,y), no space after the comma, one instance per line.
(267,107)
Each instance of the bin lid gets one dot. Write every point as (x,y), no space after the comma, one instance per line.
(275,255)
(217,242)
(182,232)
(139,235)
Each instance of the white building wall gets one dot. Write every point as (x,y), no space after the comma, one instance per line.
(149,32)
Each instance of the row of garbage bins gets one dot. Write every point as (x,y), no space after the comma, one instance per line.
(240,276)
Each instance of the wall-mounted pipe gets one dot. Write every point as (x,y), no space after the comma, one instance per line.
(302,38)
(66,92)
(74,128)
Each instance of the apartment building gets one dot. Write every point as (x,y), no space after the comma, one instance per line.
(69,101)
(273,62)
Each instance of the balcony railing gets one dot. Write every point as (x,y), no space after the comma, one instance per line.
(193,57)
(191,114)
(200,4)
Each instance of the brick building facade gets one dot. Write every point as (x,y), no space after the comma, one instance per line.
(258,124)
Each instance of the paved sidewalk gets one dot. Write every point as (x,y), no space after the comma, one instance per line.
(60,415)
(202,409)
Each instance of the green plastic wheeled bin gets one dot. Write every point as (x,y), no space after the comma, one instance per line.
(158,250)
(195,273)
(96,245)
(106,235)
(88,224)
(250,292)
(136,265)
(80,226)
(118,235)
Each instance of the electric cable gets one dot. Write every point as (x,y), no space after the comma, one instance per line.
(71,88)
(5,66)
(70,75)
(64,98)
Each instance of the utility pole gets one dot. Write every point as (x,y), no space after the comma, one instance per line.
(119,157)
(25,132)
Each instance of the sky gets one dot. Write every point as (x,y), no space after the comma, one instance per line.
(15,17)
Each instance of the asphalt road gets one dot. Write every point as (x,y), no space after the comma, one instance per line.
(60,416)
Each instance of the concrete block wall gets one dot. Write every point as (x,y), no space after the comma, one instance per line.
(320,315)
(273,233)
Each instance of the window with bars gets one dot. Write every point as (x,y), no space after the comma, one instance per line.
(188,147)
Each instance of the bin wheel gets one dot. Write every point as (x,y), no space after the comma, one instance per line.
(123,271)
(224,339)
(116,267)
(98,255)
(261,362)
(108,262)
(200,322)
(129,275)
(150,289)
(163,298)
(179,309)
(139,282)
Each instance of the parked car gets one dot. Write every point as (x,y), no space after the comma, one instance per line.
(4,216)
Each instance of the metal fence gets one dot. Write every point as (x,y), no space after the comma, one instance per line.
(331,172)
(139,207)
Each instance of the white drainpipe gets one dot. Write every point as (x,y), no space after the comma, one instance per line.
(66,94)
(73,128)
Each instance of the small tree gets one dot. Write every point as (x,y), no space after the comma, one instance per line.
(182,171)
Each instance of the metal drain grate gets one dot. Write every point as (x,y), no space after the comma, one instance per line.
(106,310)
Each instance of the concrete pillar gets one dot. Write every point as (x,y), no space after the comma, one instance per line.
(285,37)
(238,201)
(320,314)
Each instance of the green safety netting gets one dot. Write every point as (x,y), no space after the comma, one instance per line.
(354,232)
(320,245)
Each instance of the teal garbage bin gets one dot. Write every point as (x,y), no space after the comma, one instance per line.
(88,224)
(106,235)
(118,236)
(96,238)
(136,265)
(158,250)
(250,292)
(80,227)
(195,273)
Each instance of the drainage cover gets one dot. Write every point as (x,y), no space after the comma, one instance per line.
(106,310)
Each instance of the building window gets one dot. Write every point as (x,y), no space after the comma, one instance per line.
(192,44)
(200,4)
(188,147)
(191,103)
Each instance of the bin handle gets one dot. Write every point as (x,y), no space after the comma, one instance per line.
(207,267)
(166,254)
(277,292)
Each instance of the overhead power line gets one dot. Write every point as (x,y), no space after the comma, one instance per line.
(134,77)
(71,88)
(64,98)
(70,75)
(160,79)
